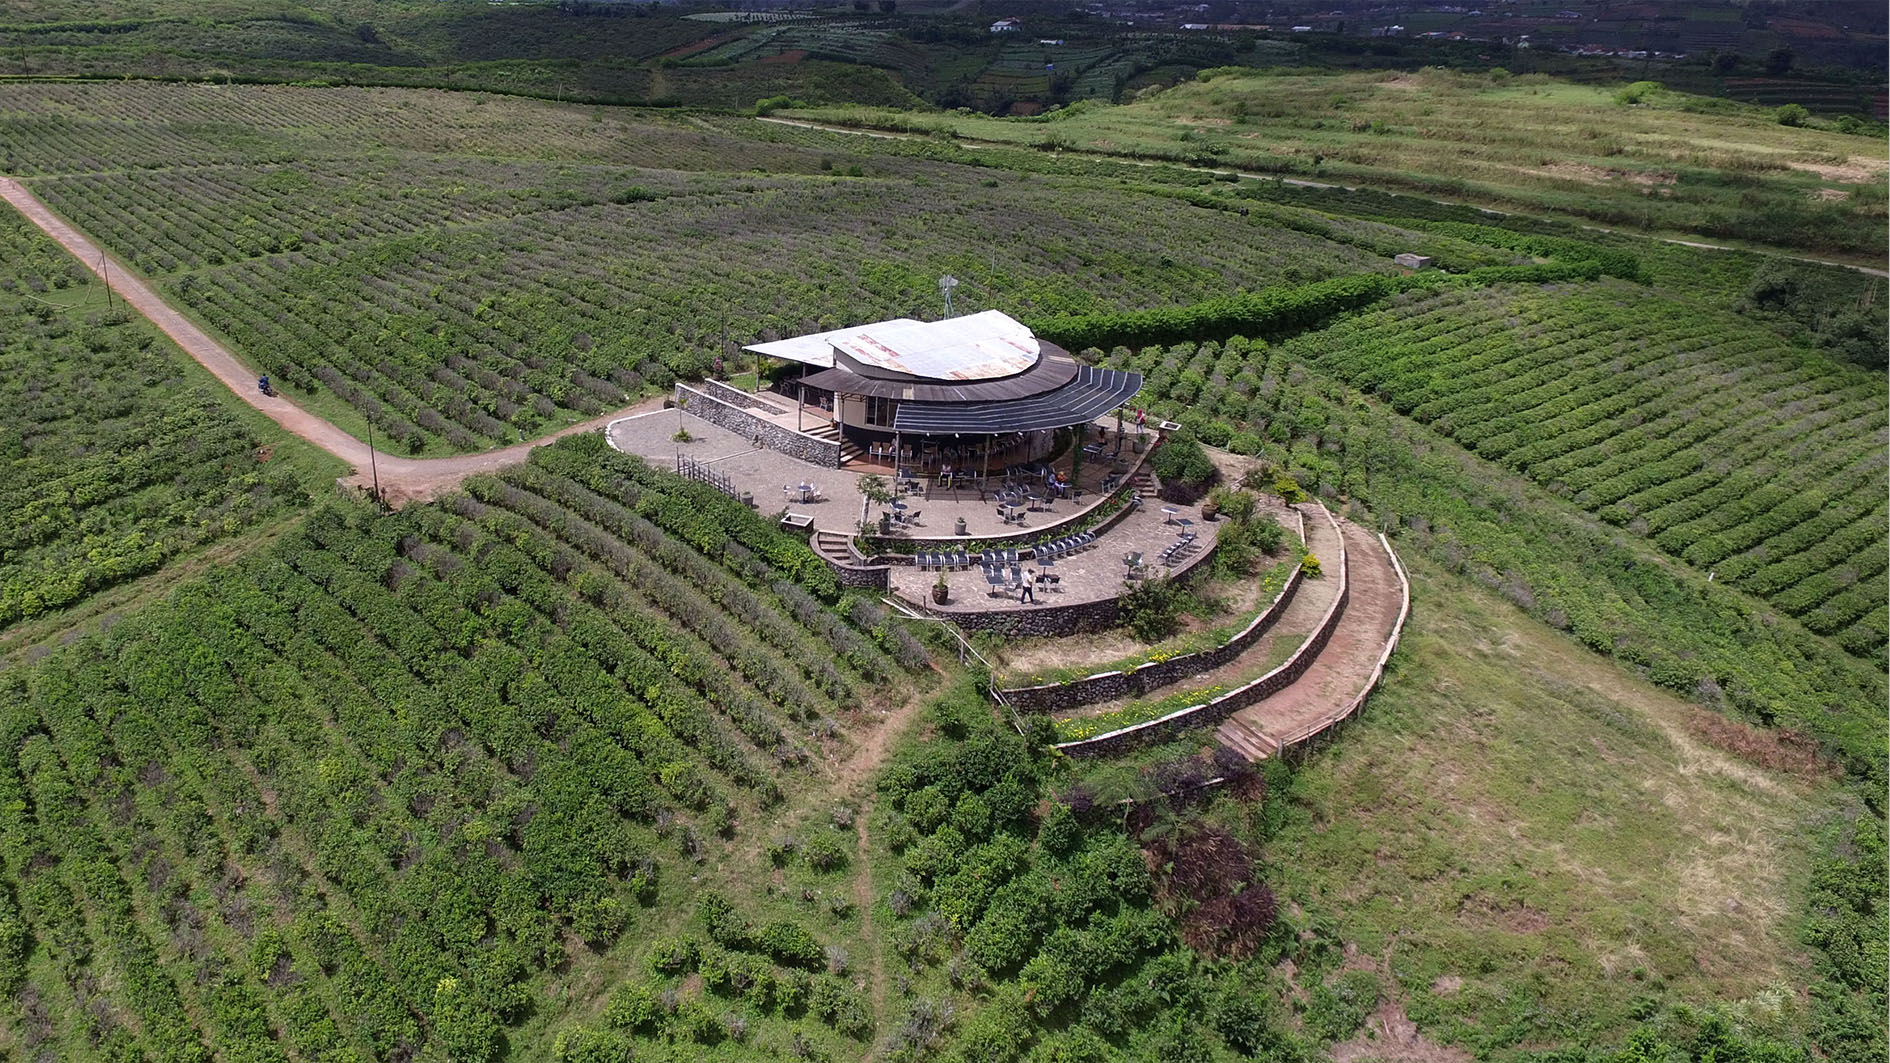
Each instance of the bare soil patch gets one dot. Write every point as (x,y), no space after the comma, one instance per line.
(1602,175)
(1390,1035)
(1851,171)
(1783,750)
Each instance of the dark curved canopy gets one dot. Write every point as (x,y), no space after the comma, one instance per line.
(1091,393)
(1053,370)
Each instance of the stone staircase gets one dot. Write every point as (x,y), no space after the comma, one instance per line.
(832,545)
(1242,739)
(849,450)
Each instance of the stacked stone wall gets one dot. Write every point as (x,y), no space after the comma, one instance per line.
(724,414)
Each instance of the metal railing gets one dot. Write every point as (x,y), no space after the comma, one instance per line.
(966,654)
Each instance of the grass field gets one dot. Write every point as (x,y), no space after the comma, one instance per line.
(1530,848)
(1673,164)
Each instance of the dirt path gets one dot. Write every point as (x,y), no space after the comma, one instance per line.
(856,776)
(402,479)
(1349,658)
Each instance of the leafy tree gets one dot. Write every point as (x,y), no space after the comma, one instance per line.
(1152,609)
(1792,114)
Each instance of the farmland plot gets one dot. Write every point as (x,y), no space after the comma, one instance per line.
(351,797)
(455,302)
(1757,461)
(116,454)
(1732,451)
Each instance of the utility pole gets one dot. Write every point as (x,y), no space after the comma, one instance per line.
(105,271)
(374,467)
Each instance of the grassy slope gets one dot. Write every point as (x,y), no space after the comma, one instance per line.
(1541,845)
(1714,168)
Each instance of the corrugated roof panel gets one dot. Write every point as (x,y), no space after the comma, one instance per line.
(981,346)
(816,348)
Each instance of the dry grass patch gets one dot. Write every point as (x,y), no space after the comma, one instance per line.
(1547,837)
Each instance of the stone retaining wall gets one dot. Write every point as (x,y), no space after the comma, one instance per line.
(733,396)
(724,414)
(862,577)
(1220,708)
(1138,681)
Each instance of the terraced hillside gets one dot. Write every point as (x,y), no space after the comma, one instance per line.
(1754,459)
(461,271)
(117,455)
(355,797)
(1733,451)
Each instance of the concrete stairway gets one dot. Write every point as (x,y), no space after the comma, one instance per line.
(849,450)
(832,545)
(1246,741)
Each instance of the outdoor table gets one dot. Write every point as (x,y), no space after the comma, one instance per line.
(1092,450)
(1169,513)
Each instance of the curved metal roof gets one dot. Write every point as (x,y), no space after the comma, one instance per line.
(1092,393)
(982,346)
(1054,369)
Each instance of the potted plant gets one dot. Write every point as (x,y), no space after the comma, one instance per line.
(940,591)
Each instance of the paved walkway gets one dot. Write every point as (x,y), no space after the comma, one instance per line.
(1090,575)
(402,479)
(765,472)
(1344,667)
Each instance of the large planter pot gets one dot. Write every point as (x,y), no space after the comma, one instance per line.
(1209,511)
(1140,444)
(939,593)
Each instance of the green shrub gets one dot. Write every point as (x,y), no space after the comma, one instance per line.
(1335,1012)
(823,852)
(632,1007)
(1792,114)
(1183,467)
(1153,609)
(791,945)
(1639,92)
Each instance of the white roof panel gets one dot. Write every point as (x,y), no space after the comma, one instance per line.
(816,348)
(981,346)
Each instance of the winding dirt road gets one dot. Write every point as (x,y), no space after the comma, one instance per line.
(402,479)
